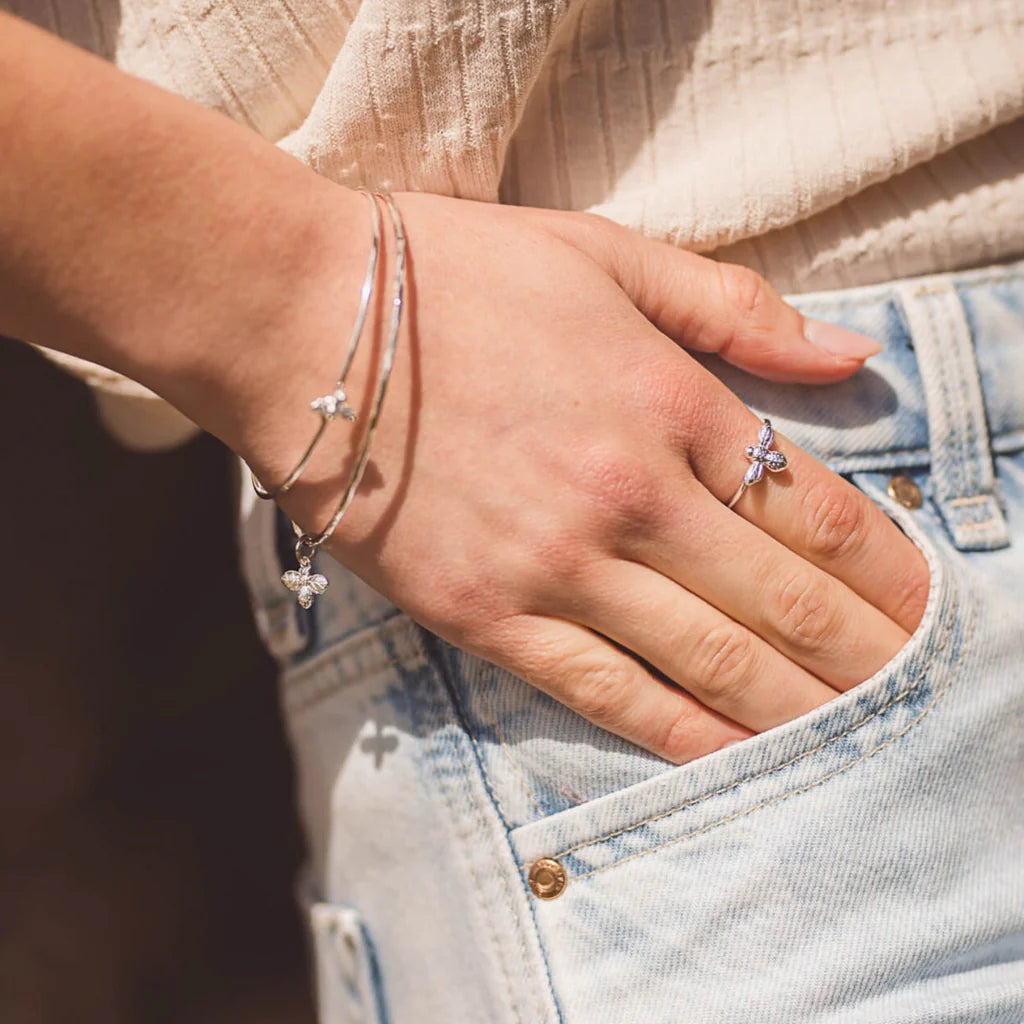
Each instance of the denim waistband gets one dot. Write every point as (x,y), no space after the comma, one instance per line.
(880,417)
(944,396)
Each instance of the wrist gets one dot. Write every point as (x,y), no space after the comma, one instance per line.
(262,392)
(254,345)
(328,483)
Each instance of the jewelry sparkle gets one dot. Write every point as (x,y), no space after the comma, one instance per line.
(762,456)
(304,583)
(334,404)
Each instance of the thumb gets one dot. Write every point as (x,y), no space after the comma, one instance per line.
(711,306)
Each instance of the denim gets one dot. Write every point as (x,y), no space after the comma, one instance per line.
(862,864)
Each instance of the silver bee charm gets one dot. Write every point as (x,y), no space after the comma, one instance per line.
(762,456)
(305,583)
(334,405)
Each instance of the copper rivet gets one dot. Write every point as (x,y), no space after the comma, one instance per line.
(547,878)
(905,491)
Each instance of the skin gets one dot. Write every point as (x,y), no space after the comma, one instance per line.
(548,476)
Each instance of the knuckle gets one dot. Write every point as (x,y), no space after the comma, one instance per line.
(607,475)
(722,662)
(598,690)
(669,390)
(680,400)
(594,235)
(805,610)
(745,290)
(912,599)
(559,556)
(837,521)
(619,489)
(596,222)
(681,739)
(512,641)
(460,607)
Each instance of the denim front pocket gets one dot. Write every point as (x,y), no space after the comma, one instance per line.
(858,864)
(568,790)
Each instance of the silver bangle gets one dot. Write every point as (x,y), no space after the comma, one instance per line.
(305,583)
(335,405)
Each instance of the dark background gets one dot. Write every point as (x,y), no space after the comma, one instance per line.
(148,840)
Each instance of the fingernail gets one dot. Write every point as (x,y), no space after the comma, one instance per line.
(838,340)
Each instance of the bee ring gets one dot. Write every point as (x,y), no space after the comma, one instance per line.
(761,456)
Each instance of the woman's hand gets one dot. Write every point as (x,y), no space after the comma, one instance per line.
(547,481)
(550,465)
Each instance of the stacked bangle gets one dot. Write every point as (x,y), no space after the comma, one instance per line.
(335,404)
(303,581)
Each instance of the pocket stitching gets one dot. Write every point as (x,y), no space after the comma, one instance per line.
(804,754)
(801,789)
(492,721)
(436,666)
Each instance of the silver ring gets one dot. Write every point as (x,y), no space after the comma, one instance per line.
(762,457)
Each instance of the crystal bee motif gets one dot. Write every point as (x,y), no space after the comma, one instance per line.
(304,583)
(334,404)
(761,455)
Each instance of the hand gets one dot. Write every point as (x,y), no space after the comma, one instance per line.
(550,470)
(550,465)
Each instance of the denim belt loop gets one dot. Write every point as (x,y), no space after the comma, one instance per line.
(963,486)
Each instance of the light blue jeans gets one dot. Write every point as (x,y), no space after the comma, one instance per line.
(863,863)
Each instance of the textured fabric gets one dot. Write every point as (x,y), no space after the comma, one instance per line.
(824,143)
(859,864)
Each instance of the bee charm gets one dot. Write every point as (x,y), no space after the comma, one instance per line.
(334,404)
(761,456)
(305,584)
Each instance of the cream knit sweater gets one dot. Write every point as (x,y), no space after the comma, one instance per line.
(826,143)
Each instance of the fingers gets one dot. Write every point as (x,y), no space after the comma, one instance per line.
(812,618)
(721,663)
(734,312)
(710,306)
(817,515)
(612,690)
(731,310)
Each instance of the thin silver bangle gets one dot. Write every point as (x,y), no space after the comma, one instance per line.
(334,405)
(305,583)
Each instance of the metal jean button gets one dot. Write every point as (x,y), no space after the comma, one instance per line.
(547,878)
(905,491)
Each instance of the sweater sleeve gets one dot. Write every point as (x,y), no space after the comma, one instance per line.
(135,416)
(301,82)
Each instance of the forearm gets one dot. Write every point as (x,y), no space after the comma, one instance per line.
(144,232)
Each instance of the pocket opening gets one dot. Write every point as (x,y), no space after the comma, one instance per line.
(688,800)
